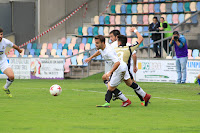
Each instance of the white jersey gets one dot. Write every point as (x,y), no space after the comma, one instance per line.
(114,44)
(109,55)
(3,44)
(121,73)
(108,64)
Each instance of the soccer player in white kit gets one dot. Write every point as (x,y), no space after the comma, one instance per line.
(118,67)
(118,73)
(4,66)
(113,37)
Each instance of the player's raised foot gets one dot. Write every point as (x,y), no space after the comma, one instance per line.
(146,99)
(7,92)
(106,105)
(126,103)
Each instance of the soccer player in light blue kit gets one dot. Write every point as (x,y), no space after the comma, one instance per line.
(4,66)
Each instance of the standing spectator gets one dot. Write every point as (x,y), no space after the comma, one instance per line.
(155,36)
(164,26)
(181,50)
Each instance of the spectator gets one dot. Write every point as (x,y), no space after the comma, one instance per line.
(164,26)
(155,36)
(181,50)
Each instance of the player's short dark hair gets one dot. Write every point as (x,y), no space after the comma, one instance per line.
(122,39)
(155,18)
(1,30)
(162,18)
(100,37)
(115,32)
(175,33)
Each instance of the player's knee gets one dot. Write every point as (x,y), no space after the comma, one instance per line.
(104,77)
(111,88)
(128,82)
(11,77)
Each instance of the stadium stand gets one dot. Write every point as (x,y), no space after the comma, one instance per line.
(122,17)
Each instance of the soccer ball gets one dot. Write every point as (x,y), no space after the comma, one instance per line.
(55,90)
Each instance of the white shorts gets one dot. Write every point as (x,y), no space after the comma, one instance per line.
(4,66)
(120,74)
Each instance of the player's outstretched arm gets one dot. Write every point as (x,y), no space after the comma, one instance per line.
(94,55)
(139,36)
(17,48)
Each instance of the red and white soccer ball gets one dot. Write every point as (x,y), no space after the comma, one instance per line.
(55,90)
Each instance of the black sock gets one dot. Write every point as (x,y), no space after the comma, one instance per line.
(10,80)
(135,86)
(108,96)
(117,92)
(105,81)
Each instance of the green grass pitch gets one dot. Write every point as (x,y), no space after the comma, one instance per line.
(173,108)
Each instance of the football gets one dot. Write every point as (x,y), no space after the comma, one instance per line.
(55,90)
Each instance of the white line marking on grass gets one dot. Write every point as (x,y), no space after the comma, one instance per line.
(135,95)
(36,88)
(174,99)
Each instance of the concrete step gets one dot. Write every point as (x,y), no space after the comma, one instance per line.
(191,36)
(96,66)
(92,72)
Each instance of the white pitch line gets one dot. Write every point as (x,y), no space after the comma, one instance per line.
(126,95)
(134,95)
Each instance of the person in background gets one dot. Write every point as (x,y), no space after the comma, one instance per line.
(4,66)
(164,26)
(155,36)
(181,50)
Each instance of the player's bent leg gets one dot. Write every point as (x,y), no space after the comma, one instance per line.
(105,80)
(9,72)
(119,94)
(129,83)
(139,90)
(108,97)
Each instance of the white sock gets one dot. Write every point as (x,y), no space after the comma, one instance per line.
(8,83)
(140,91)
(106,85)
(122,97)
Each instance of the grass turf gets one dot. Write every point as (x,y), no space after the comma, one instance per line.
(173,108)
